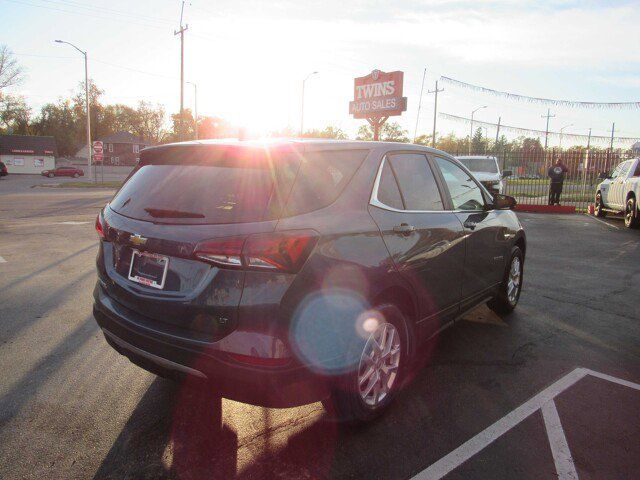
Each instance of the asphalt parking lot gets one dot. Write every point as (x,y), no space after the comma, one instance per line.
(550,392)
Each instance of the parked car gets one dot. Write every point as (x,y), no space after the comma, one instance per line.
(487,170)
(65,171)
(619,193)
(3,170)
(297,271)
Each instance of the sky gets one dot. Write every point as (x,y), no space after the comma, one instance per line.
(249,57)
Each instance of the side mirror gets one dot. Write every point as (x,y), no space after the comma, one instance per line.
(506,173)
(503,202)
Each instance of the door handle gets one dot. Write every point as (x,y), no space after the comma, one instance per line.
(404,228)
(470,225)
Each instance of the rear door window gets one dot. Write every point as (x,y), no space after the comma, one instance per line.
(388,191)
(418,186)
(321,178)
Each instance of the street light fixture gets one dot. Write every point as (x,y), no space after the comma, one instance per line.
(86,92)
(195,101)
(471,131)
(561,132)
(302,104)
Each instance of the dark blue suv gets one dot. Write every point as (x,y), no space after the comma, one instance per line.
(289,272)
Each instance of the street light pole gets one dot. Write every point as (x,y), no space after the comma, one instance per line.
(302,103)
(471,132)
(86,92)
(561,132)
(195,101)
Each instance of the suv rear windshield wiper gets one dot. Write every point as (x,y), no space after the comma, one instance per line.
(162,213)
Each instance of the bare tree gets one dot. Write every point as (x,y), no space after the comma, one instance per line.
(10,72)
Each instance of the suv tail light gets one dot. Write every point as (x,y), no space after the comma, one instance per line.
(281,251)
(100,226)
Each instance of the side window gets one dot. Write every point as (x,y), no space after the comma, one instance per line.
(617,170)
(637,172)
(465,193)
(388,192)
(418,186)
(626,166)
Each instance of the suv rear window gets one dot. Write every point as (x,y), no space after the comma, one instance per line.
(219,188)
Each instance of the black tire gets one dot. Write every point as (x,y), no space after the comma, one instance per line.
(503,303)
(346,403)
(51,175)
(598,208)
(631,219)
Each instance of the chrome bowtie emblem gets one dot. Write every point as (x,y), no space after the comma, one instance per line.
(137,239)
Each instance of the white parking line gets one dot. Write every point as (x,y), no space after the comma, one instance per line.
(71,223)
(602,221)
(2,260)
(565,467)
(483,439)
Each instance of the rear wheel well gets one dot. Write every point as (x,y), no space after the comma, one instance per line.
(402,299)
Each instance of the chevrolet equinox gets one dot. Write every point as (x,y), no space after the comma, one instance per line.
(289,272)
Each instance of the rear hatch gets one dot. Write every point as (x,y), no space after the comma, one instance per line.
(195,222)
(178,198)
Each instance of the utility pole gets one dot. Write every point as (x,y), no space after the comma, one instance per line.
(546,133)
(435,113)
(181,33)
(415,132)
(86,92)
(471,130)
(498,132)
(195,105)
(302,103)
(613,129)
(562,132)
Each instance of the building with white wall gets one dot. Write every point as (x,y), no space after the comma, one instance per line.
(27,153)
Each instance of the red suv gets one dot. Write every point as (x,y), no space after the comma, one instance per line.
(63,172)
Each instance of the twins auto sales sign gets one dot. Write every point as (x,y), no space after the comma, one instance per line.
(379,94)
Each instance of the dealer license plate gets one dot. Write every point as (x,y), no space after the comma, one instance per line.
(149,269)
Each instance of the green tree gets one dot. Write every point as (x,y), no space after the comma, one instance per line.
(58,120)
(389,132)
(15,115)
(328,132)
(424,140)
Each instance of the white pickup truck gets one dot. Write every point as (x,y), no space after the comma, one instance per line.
(620,192)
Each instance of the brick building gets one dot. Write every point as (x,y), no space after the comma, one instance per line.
(121,148)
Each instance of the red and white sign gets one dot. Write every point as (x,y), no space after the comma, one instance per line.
(379,94)
(98,150)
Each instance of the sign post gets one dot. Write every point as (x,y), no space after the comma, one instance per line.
(98,156)
(378,96)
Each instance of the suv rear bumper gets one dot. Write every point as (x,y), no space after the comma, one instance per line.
(162,354)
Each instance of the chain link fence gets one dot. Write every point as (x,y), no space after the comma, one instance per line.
(529,182)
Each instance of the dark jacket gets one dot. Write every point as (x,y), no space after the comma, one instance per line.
(557,172)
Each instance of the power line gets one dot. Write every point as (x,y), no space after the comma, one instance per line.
(84,14)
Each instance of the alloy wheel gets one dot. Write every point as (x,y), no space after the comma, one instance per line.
(379,363)
(513,285)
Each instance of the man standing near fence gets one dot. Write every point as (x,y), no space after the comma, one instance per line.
(556,173)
